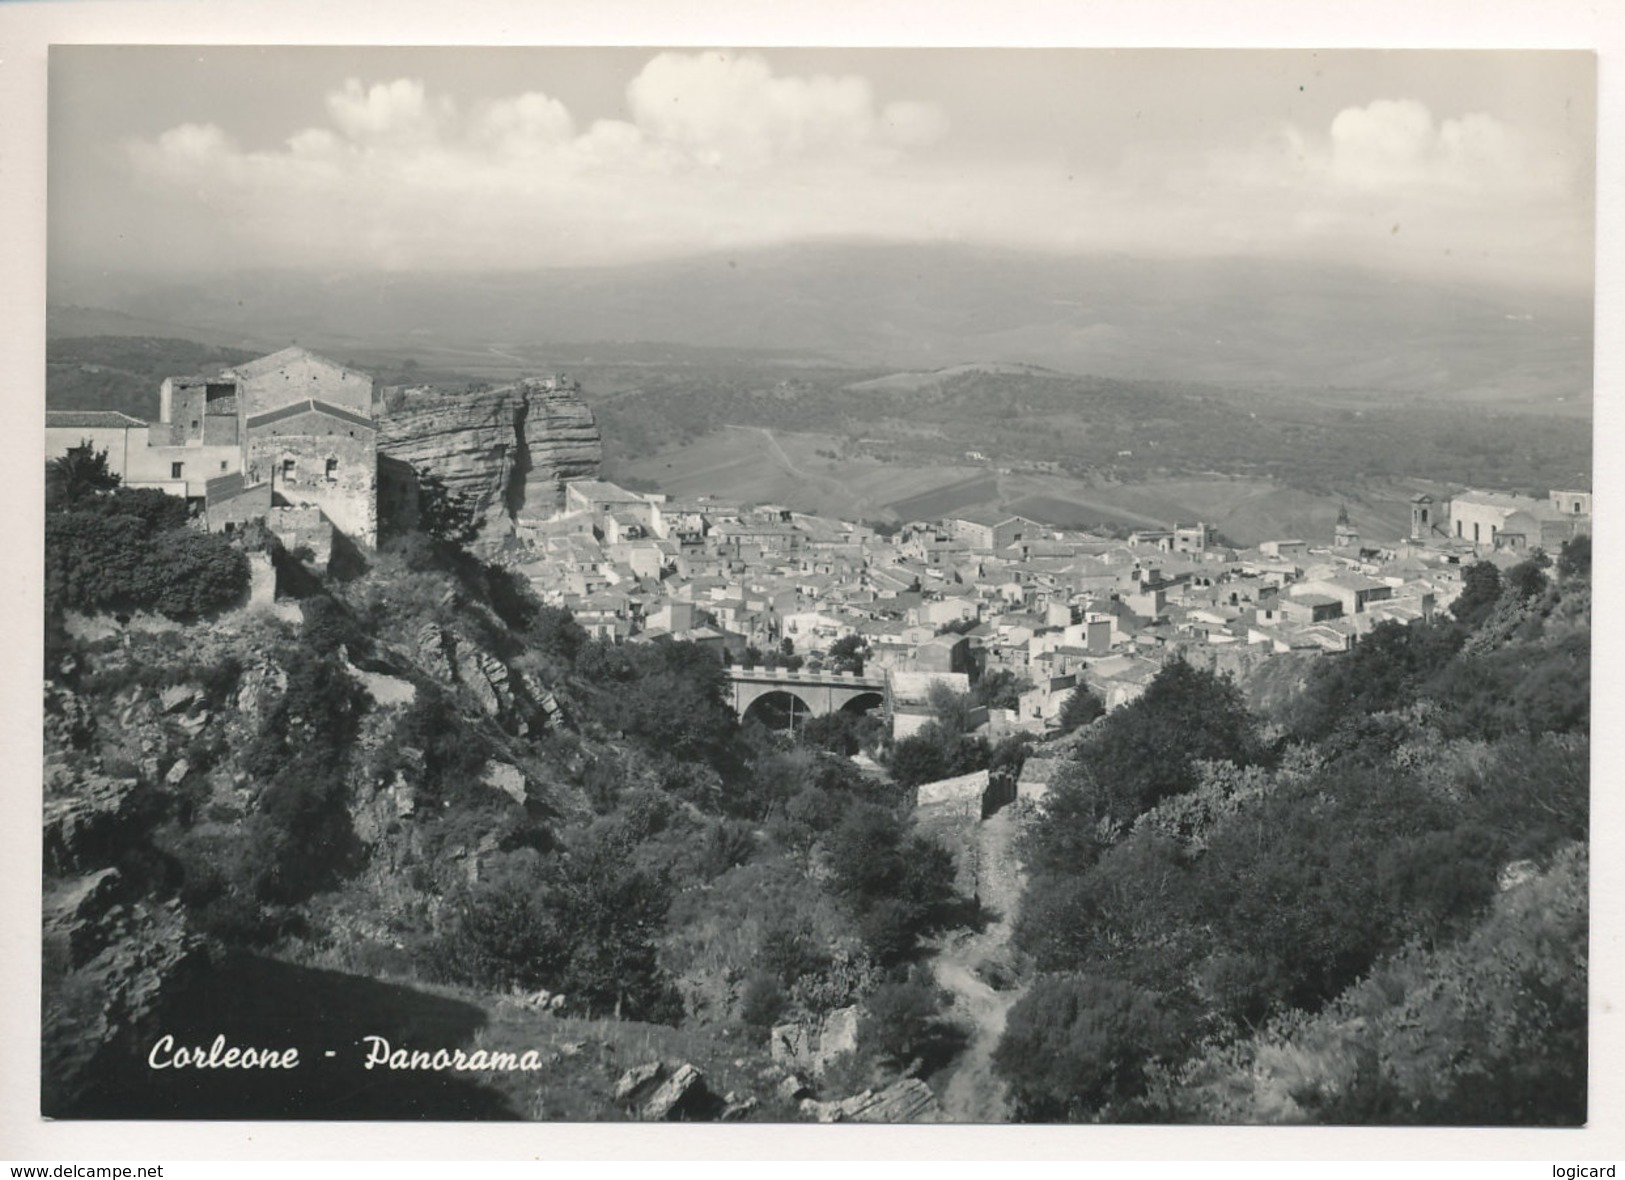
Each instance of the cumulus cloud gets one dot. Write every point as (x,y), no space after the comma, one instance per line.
(529,123)
(1395,143)
(398,109)
(518,168)
(716,150)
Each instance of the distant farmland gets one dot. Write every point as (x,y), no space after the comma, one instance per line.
(801,471)
(935,504)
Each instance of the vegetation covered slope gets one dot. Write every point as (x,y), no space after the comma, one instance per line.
(1379,917)
(424,795)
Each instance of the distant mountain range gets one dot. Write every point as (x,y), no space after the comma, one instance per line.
(1260,324)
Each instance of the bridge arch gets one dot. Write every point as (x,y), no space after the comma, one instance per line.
(865,702)
(778,709)
(819,692)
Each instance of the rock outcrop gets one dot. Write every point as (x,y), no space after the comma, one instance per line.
(501,450)
(815,1046)
(650,1093)
(906,1101)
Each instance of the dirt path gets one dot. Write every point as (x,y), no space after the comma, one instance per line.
(969,1090)
(779,453)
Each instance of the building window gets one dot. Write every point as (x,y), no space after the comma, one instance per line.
(222,465)
(287,468)
(194,423)
(1475,532)
(1458,528)
(332,468)
(175,470)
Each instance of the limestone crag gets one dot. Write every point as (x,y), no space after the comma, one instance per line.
(504,449)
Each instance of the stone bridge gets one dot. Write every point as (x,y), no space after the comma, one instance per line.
(815,693)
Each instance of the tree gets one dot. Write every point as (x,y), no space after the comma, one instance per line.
(1480,590)
(1001,689)
(76,476)
(1384,672)
(129,550)
(899,884)
(847,653)
(935,753)
(1527,578)
(1574,561)
(1080,709)
(952,710)
(1074,1044)
(1146,751)
(900,1018)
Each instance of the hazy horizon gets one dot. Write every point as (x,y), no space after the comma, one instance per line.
(1450,167)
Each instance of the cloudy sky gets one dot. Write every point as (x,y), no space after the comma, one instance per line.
(1449,164)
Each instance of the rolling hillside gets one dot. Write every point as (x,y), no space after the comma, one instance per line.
(1227,321)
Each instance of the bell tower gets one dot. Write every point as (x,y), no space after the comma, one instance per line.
(1345,535)
(1423,521)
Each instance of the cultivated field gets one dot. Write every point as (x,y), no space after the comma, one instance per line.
(757,465)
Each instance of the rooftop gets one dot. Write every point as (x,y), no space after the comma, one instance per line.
(270,364)
(311,405)
(90,419)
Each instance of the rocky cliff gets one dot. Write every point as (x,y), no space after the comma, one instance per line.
(504,450)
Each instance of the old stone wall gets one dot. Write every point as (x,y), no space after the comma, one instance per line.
(316,459)
(231,504)
(294,375)
(304,532)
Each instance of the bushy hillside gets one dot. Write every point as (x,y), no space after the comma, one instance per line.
(1379,918)
(420,800)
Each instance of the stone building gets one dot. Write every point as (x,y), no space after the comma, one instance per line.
(291,431)
(1503,520)
(316,455)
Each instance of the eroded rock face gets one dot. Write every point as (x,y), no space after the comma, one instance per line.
(504,449)
(906,1101)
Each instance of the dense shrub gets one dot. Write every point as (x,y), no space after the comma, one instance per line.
(1080,709)
(128,551)
(900,884)
(1147,750)
(1480,590)
(582,923)
(900,1019)
(1074,1044)
(1384,672)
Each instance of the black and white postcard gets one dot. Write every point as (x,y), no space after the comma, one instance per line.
(759,585)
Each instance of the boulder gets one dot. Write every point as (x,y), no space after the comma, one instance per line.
(735,1108)
(508,779)
(907,1101)
(824,1112)
(838,1036)
(1516,873)
(179,697)
(78,825)
(637,1081)
(791,1044)
(792,1087)
(676,1096)
(474,670)
(178,772)
(72,911)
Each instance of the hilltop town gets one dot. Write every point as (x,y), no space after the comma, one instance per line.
(381,705)
(305,446)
